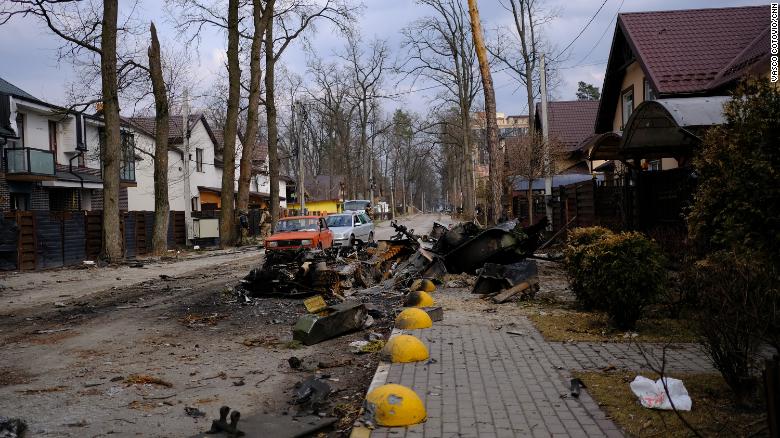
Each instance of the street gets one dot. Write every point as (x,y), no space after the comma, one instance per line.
(71,338)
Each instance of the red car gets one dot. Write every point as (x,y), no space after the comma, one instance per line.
(300,232)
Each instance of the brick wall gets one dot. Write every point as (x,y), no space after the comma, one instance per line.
(5,196)
(97,199)
(123,198)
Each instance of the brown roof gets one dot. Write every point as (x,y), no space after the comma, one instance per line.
(324,187)
(694,50)
(148,124)
(570,121)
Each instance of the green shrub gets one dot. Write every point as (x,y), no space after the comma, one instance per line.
(737,201)
(739,311)
(578,241)
(624,273)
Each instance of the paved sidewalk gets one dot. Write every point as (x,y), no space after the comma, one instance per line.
(486,382)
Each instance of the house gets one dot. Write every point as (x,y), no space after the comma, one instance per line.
(324,193)
(512,126)
(51,156)
(668,75)
(569,125)
(205,166)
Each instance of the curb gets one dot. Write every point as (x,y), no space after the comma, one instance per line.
(380,378)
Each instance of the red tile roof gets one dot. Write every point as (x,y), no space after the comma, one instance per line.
(570,122)
(695,50)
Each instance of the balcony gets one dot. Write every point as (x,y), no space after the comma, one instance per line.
(29,164)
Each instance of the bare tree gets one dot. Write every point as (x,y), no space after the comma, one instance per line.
(161,207)
(494,175)
(519,48)
(525,159)
(227,207)
(441,50)
(261,20)
(366,70)
(292,19)
(91,31)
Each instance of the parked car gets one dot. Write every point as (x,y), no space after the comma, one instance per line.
(358,206)
(349,227)
(300,232)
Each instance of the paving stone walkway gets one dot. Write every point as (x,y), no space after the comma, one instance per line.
(484,382)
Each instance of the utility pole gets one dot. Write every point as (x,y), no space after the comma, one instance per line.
(185,134)
(546,144)
(299,128)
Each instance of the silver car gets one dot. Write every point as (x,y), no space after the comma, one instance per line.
(349,227)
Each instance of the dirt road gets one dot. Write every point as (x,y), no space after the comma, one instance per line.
(68,368)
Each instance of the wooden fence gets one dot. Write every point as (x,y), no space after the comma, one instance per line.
(587,204)
(42,239)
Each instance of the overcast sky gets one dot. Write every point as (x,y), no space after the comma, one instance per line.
(28,51)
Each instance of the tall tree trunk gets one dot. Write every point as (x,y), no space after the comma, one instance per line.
(469,192)
(250,139)
(530,200)
(161,207)
(494,168)
(227,209)
(112,235)
(270,109)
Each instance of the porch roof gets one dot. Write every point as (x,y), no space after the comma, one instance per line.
(670,127)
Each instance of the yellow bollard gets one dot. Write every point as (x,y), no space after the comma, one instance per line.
(404,349)
(413,318)
(395,405)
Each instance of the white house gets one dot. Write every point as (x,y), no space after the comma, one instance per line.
(51,156)
(205,166)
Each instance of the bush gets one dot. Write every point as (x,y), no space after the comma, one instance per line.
(739,311)
(737,201)
(578,241)
(625,273)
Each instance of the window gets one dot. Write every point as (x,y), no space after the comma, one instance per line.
(199,160)
(20,201)
(53,138)
(19,130)
(356,220)
(648,93)
(127,165)
(654,165)
(195,203)
(627,104)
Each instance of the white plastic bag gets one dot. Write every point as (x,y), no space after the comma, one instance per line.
(652,394)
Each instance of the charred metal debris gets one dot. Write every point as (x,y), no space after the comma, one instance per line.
(498,255)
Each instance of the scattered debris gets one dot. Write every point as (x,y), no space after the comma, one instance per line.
(360,347)
(268,341)
(194,412)
(42,390)
(312,391)
(494,277)
(653,394)
(286,426)
(145,379)
(12,427)
(222,424)
(315,304)
(342,318)
(576,385)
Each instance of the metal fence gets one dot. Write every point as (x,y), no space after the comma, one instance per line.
(31,240)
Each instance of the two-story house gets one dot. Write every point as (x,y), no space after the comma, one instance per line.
(204,162)
(668,75)
(51,156)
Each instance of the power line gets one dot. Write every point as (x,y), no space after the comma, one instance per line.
(606,29)
(581,31)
